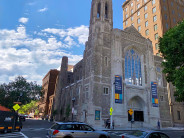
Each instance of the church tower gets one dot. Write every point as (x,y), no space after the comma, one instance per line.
(97,63)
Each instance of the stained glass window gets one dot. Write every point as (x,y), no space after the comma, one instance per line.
(133,74)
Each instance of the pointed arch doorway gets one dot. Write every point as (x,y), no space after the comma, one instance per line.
(137,104)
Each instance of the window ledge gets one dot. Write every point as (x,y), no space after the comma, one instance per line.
(134,86)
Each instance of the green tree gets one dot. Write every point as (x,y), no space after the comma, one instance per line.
(172,49)
(28,108)
(19,90)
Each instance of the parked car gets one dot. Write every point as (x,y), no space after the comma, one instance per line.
(74,130)
(22,117)
(144,134)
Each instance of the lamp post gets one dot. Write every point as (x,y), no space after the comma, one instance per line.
(112,99)
(73,101)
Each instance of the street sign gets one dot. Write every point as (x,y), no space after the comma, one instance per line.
(16,107)
(111,110)
(17,102)
(130,111)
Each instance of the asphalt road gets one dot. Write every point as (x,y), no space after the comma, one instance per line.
(33,128)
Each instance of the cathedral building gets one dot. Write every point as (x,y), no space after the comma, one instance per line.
(119,72)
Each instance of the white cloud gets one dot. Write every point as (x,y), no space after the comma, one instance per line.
(43,10)
(34,57)
(23,20)
(80,32)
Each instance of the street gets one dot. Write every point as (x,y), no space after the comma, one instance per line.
(33,128)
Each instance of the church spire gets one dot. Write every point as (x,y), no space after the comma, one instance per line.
(101,10)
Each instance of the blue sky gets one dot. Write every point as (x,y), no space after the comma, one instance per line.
(35,34)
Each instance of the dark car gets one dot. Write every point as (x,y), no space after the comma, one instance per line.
(144,134)
(22,117)
(74,130)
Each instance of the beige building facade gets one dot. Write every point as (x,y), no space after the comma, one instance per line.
(152,18)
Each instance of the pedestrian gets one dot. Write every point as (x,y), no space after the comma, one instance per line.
(106,123)
(158,124)
(113,124)
(109,123)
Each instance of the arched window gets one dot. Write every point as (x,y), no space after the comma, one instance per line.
(133,74)
(106,10)
(98,10)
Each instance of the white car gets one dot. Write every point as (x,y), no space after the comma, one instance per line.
(74,130)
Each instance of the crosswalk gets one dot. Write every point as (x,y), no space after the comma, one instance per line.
(13,135)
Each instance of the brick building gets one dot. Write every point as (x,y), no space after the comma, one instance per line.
(152,18)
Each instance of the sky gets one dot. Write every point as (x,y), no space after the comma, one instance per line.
(36,34)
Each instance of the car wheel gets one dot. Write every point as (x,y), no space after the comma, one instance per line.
(5,130)
(67,137)
(102,136)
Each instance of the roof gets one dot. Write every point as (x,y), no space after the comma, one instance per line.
(2,108)
(70,122)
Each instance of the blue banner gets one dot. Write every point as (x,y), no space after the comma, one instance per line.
(154,94)
(118,89)
(97,115)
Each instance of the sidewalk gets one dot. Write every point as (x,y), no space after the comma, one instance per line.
(143,129)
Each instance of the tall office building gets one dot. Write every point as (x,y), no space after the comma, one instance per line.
(152,18)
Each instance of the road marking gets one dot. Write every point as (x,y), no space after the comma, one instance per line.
(13,135)
(23,135)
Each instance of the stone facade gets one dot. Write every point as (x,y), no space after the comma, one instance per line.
(91,83)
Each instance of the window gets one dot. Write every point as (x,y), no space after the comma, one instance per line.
(138,13)
(161,98)
(167,26)
(174,20)
(132,18)
(126,9)
(171,3)
(106,10)
(172,11)
(153,2)
(126,15)
(132,4)
(146,24)
(138,21)
(147,32)
(138,116)
(177,7)
(139,28)
(145,8)
(156,46)
(163,0)
(155,27)
(154,18)
(132,11)
(106,61)
(165,8)
(138,5)
(146,15)
(178,113)
(165,16)
(179,15)
(156,36)
(145,1)
(106,90)
(154,9)
(133,73)
(126,23)
(99,9)
(132,24)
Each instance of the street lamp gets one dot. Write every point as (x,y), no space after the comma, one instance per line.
(73,101)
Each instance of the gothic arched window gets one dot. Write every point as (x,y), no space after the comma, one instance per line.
(133,74)
(106,10)
(98,10)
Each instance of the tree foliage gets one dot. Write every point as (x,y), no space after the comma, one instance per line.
(29,108)
(172,49)
(19,90)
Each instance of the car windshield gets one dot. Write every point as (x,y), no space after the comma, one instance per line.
(75,127)
(137,133)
